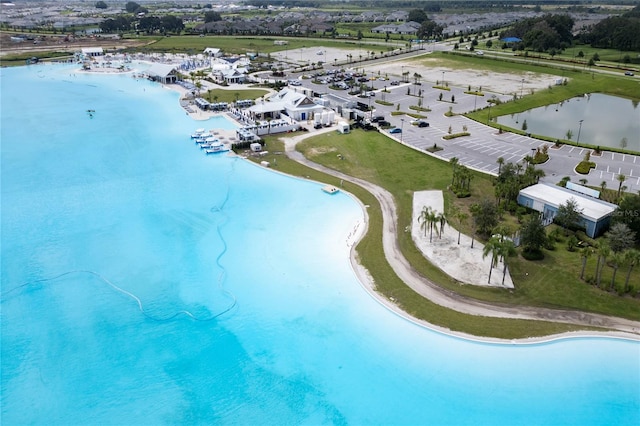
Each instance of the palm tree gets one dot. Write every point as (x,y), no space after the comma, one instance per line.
(433,221)
(507,249)
(603,253)
(442,219)
(621,178)
(537,174)
(424,219)
(500,162)
(492,247)
(617,259)
(454,164)
(632,258)
(462,219)
(585,253)
(603,185)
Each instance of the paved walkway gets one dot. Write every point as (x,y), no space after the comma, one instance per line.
(430,290)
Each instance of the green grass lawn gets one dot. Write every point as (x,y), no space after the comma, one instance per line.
(224,95)
(553,282)
(370,250)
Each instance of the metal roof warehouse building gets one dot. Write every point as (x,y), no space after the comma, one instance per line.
(596,214)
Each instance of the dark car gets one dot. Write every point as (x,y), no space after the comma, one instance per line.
(377,118)
(423,124)
(383,123)
(394,83)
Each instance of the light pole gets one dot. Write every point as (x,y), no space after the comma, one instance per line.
(401,129)
(443,79)
(521,88)
(579,129)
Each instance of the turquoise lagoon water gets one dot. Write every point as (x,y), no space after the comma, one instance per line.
(146,283)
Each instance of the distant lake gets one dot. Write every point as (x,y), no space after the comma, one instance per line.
(606,120)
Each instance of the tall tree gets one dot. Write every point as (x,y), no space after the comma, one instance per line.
(417,15)
(442,220)
(454,165)
(500,162)
(568,215)
(621,178)
(616,260)
(533,236)
(585,253)
(424,219)
(492,247)
(506,250)
(632,258)
(620,237)
(629,213)
(131,6)
(485,216)
(462,219)
(603,254)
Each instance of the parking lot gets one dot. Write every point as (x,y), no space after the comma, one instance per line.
(485,145)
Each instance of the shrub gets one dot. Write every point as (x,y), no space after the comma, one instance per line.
(584,167)
(455,135)
(533,254)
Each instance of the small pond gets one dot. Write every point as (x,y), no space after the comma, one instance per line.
(595,119)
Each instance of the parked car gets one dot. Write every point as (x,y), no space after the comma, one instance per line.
(395,83)
(395,130)
(377,118)
(628,73)
(422,124)
(383,123)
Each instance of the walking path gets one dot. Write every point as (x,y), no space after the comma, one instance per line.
(449,299)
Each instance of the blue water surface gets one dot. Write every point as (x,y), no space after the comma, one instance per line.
(146,283)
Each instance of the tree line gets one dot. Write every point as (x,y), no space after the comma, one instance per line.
(554,32)
(616,32)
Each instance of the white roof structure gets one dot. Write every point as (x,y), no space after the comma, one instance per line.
(261,108)
(160,70)
(212,51)
(553,195)
(92,51)
(293,99)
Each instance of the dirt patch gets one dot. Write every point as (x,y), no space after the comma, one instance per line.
(61,43)
(432,71)
(323,150)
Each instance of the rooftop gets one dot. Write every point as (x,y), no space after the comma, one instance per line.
(592,208)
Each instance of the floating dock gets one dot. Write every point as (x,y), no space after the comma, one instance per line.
(330,189)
